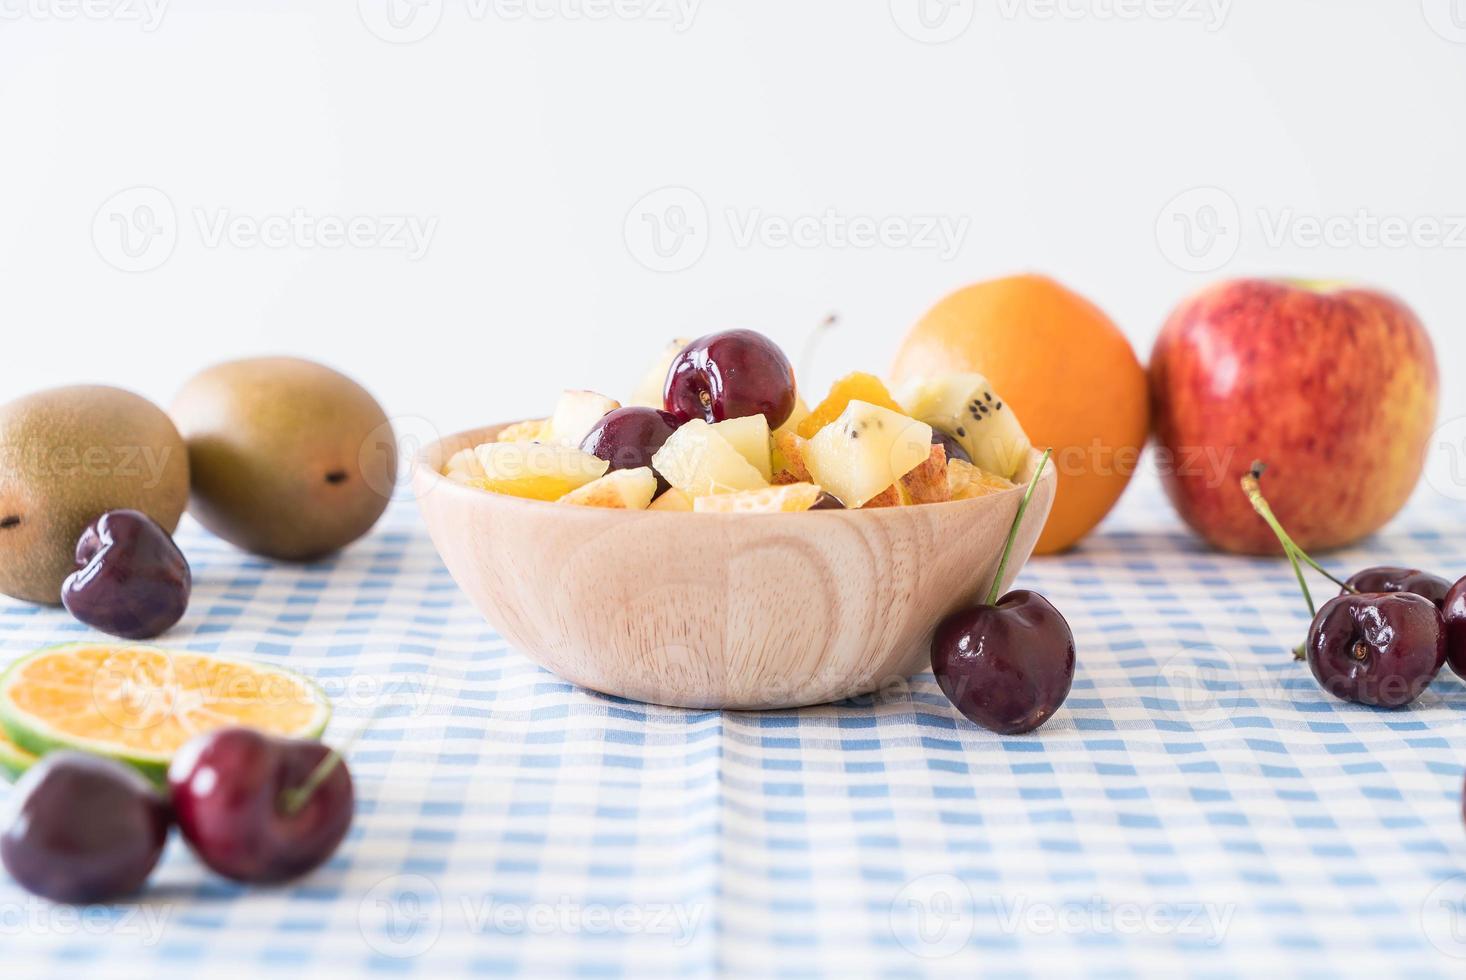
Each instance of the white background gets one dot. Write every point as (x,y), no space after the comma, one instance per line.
(527,134)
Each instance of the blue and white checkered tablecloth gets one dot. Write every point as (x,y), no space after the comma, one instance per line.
(1197,808)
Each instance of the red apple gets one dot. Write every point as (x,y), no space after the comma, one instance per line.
(1333,387)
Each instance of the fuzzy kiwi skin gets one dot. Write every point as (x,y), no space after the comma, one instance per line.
(290,459)
(69,455)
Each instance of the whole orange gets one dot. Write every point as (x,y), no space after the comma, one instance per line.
(1069,373)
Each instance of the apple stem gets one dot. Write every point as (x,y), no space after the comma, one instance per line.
(1013,531)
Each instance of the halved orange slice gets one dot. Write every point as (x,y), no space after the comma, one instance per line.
(141,704)
(14,760)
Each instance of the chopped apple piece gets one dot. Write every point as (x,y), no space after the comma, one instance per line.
(534,470)
(965,407)
(530,430)
(700,462)
(621,489)
(649,390)
(867,450)
(576,413)
(927,484)
(853,387)
(789,458)
(672,499)
(750,436)
(889,497)
(788,498)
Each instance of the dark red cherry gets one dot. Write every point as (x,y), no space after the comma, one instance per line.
(260,809)
(1007,667)
(131,579)
(628,438)
(731,375)
(1380,649)
(84,829)
(1453,613)
(1386,578)
(1376,648)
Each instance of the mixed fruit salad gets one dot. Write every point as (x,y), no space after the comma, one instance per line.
(718,426)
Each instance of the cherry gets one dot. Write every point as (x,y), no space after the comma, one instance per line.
(84,829)
(628,438)
(1008,664)
(1453,613)
(950,445)
(131,579)
(1380,649)
(730,375)
(1376,648)
(260,809)
(1386,578)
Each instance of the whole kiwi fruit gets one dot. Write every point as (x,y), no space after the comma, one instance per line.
(290,459)
(69,455)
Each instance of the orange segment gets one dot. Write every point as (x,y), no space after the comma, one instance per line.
(966,482)
(788,498)
(853,387)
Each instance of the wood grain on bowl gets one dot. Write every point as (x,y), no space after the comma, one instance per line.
(745,611)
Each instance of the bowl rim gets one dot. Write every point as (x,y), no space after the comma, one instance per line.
(424,469)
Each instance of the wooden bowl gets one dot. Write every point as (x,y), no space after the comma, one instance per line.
(742,611)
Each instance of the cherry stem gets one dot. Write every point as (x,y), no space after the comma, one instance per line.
(1252,486)
(292,801)
(1013,531)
